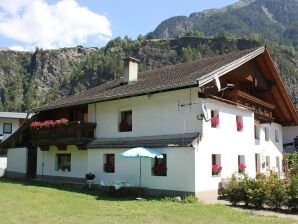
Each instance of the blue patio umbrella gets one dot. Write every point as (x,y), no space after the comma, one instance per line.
(140,152)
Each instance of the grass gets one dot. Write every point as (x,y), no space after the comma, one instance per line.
(33,202)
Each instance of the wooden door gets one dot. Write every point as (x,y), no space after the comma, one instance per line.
(31,162)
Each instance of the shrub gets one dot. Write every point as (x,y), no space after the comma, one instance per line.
(292,193)
(256,192)
(275,192)
(235,191)
(190,199)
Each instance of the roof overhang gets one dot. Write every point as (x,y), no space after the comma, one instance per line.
(230,67)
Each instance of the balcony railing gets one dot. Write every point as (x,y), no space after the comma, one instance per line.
(74,133)
(262,109)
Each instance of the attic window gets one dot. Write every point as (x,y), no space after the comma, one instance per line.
(125,124)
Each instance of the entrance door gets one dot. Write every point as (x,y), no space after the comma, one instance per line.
(31,162)
(258,163)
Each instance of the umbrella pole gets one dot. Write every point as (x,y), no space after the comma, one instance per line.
(140,176)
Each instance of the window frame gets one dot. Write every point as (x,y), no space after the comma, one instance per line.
(239,119)
(124,121)
(109,158)
(7,132)
(58,160)
(241,160)
(215,160)
(157,161)
(267,134)
(214,113)
(276,135)
(257,132)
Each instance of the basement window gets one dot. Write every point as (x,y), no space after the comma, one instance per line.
(125,121)
(160,166)
(109,163)
(63,162)
(216,164)
(296,142)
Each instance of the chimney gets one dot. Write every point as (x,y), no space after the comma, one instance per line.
(130,69)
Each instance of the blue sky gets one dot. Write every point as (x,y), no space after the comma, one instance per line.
(25,24)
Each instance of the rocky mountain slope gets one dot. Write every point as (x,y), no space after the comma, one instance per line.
(275,20)
(28,79)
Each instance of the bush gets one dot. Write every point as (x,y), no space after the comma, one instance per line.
(256,192)
(190,199)
(235,191)
(292,193)
(275,192)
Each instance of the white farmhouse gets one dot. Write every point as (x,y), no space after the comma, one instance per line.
(210,118)
(9,123)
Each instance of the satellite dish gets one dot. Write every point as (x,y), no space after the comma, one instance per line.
(205,112)
(217,83)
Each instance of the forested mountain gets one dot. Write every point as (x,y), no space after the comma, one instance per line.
(275,20)
(30,79)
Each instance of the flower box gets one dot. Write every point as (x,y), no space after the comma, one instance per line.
(216,169)
(214,122)
(109,168)
(241,168)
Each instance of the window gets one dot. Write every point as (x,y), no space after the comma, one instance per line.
(278,163)
(268,162)
(266,134)
(109,163)
(125,124)
(276,136)
(160,166)
(258,162)
(7,128)
(214,118)
(239,123)
(257,132)
(216,164)
(63,162)
(241,164)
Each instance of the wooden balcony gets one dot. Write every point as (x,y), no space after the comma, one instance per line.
(262,109)
(74,133)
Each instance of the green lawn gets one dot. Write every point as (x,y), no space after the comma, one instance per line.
(22,202)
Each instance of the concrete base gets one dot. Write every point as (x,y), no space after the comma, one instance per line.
(61,179)
(2,172)
(15,175)
(209,197)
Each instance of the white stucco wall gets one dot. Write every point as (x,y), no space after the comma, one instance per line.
(155,114)
(180,169)
(229,143)
(3,162)
(14,122)
(17,160)
(270,148)
(46,162)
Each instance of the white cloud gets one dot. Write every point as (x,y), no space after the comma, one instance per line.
(66,23)
(18,48)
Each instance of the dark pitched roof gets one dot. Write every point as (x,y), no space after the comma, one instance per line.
(162,79)
(176,140)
